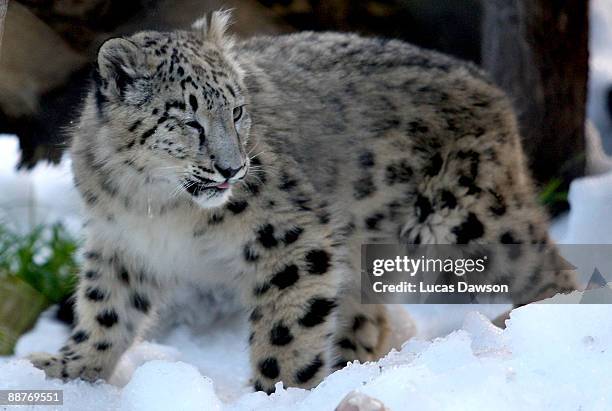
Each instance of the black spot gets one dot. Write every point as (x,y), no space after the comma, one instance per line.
(347,344)
(499,206)
(100,97)
(215,219)
(366,159)
(423,208)
(92,255)
(341,363)
(364,187)
(255,315)
(302,201)
(135,125)
(292,235)
(124,276)
(286,277)
(434,166)
(307,373)
(514,249)
(474,160)
(470,229)
(468,182)
(175,104)
(287,183)
(193,102)
(147,134)
(318,310)
(250,254)
(237,207)
(269,368)
(140,302)
(180,71)
(398,172)
(358,322)
(318,261)
(92,275)
(231,90)
(107,318)
(324,217)
(261,289)
(94,294)
(280,335)
(448,199)
(417,126)
(102,345)
(372,221)
(508,238)
(257,386)
(80,336)
(265,236)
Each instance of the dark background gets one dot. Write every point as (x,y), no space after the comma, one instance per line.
(536,50)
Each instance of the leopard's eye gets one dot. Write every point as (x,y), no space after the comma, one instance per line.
(237,113)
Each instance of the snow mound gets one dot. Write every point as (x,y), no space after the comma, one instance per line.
(538,362)
(160,385)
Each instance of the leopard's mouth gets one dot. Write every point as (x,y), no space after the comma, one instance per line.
(209,187)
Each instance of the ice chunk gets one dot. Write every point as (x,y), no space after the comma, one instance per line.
(162,385)
(486,338)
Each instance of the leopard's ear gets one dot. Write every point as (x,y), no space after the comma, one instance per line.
(215,31)
(120,63)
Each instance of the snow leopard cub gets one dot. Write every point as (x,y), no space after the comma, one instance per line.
(263,165)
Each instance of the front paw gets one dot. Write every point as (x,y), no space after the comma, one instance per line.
(50,364)
(65,367)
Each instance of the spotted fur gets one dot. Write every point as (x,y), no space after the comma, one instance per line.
(264,165)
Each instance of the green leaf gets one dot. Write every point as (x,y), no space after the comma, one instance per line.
(43,258)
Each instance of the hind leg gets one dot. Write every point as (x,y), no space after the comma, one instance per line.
(362,331)
(466,189)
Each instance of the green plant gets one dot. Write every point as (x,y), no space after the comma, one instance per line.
(36,270)
(44,259)
(553,193)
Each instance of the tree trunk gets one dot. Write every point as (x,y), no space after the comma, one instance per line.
(537,51)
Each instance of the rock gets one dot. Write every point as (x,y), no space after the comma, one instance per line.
(356,401)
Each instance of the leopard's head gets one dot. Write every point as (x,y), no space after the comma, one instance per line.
(175,108)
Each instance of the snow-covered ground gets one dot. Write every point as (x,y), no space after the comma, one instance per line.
(550,357)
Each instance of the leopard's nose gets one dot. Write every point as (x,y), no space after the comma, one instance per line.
(227,172)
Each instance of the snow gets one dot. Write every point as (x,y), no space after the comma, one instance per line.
(590,198)
(44,194)
(537,362)
(158,385)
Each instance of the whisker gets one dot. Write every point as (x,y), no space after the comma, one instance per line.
(256,155)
